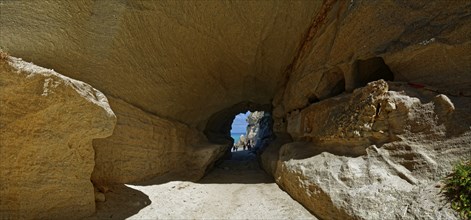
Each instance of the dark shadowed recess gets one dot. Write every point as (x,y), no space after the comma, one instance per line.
(371,70)
(218,128)
(121,202)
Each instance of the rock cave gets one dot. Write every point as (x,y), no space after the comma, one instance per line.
(122,109)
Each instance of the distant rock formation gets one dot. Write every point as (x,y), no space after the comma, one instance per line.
(253,126)
(241,142)
(259,130)
(47,124)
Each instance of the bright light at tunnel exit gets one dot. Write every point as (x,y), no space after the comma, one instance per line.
(239,125)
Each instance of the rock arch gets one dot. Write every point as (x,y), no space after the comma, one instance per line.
(174,75)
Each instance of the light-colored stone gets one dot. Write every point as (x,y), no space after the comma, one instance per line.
(144,146)
(383,173)
(253,120)
(180,69)
(179,60)
(420,41)
(47,123)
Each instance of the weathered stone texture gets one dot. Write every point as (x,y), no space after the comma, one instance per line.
(383,144)
(144,146)
(179,69)
(47,123)
(181,60)
(420,41)
(386,143)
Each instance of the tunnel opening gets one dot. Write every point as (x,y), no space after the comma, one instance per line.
(251,132)
(246,129)
(371,69)
(239,132)
(219,125)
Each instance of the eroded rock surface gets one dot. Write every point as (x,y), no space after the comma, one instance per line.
(47,123)
(351,43)
(376,153)
(144,146)
(178,70)
(179,61)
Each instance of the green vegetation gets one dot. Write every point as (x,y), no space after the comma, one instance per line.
(458,189)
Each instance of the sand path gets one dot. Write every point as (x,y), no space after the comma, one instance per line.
(235,189)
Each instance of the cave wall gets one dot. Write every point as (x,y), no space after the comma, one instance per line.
(47,124)
(144,146)
(179,60)
(383,143)
(176,72)
(176,63)
(420,41)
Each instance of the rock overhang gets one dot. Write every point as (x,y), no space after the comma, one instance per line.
(172,71)
(180,61)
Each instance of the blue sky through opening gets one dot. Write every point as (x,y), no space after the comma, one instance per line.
(239,125)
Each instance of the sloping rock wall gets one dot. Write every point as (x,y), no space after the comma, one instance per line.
(47,124)
(144,146)
(253,120)
(376,153)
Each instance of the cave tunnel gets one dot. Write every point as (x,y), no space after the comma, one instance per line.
(149,89)
(251,132)
(219,126)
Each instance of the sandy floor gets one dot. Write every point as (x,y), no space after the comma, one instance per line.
(236,189)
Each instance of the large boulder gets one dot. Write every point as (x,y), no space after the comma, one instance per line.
(47,124)
(376,153)
(355,152)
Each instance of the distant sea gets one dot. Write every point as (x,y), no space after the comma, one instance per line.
(236,136)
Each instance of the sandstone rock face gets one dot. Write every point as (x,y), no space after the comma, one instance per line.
(178,70)
(179,61)
(351,43)
(269,157)
(375,153)
(47,124)
(355,152)
(144,146)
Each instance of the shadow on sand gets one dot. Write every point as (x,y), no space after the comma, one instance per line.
(121,202)
(242,168)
